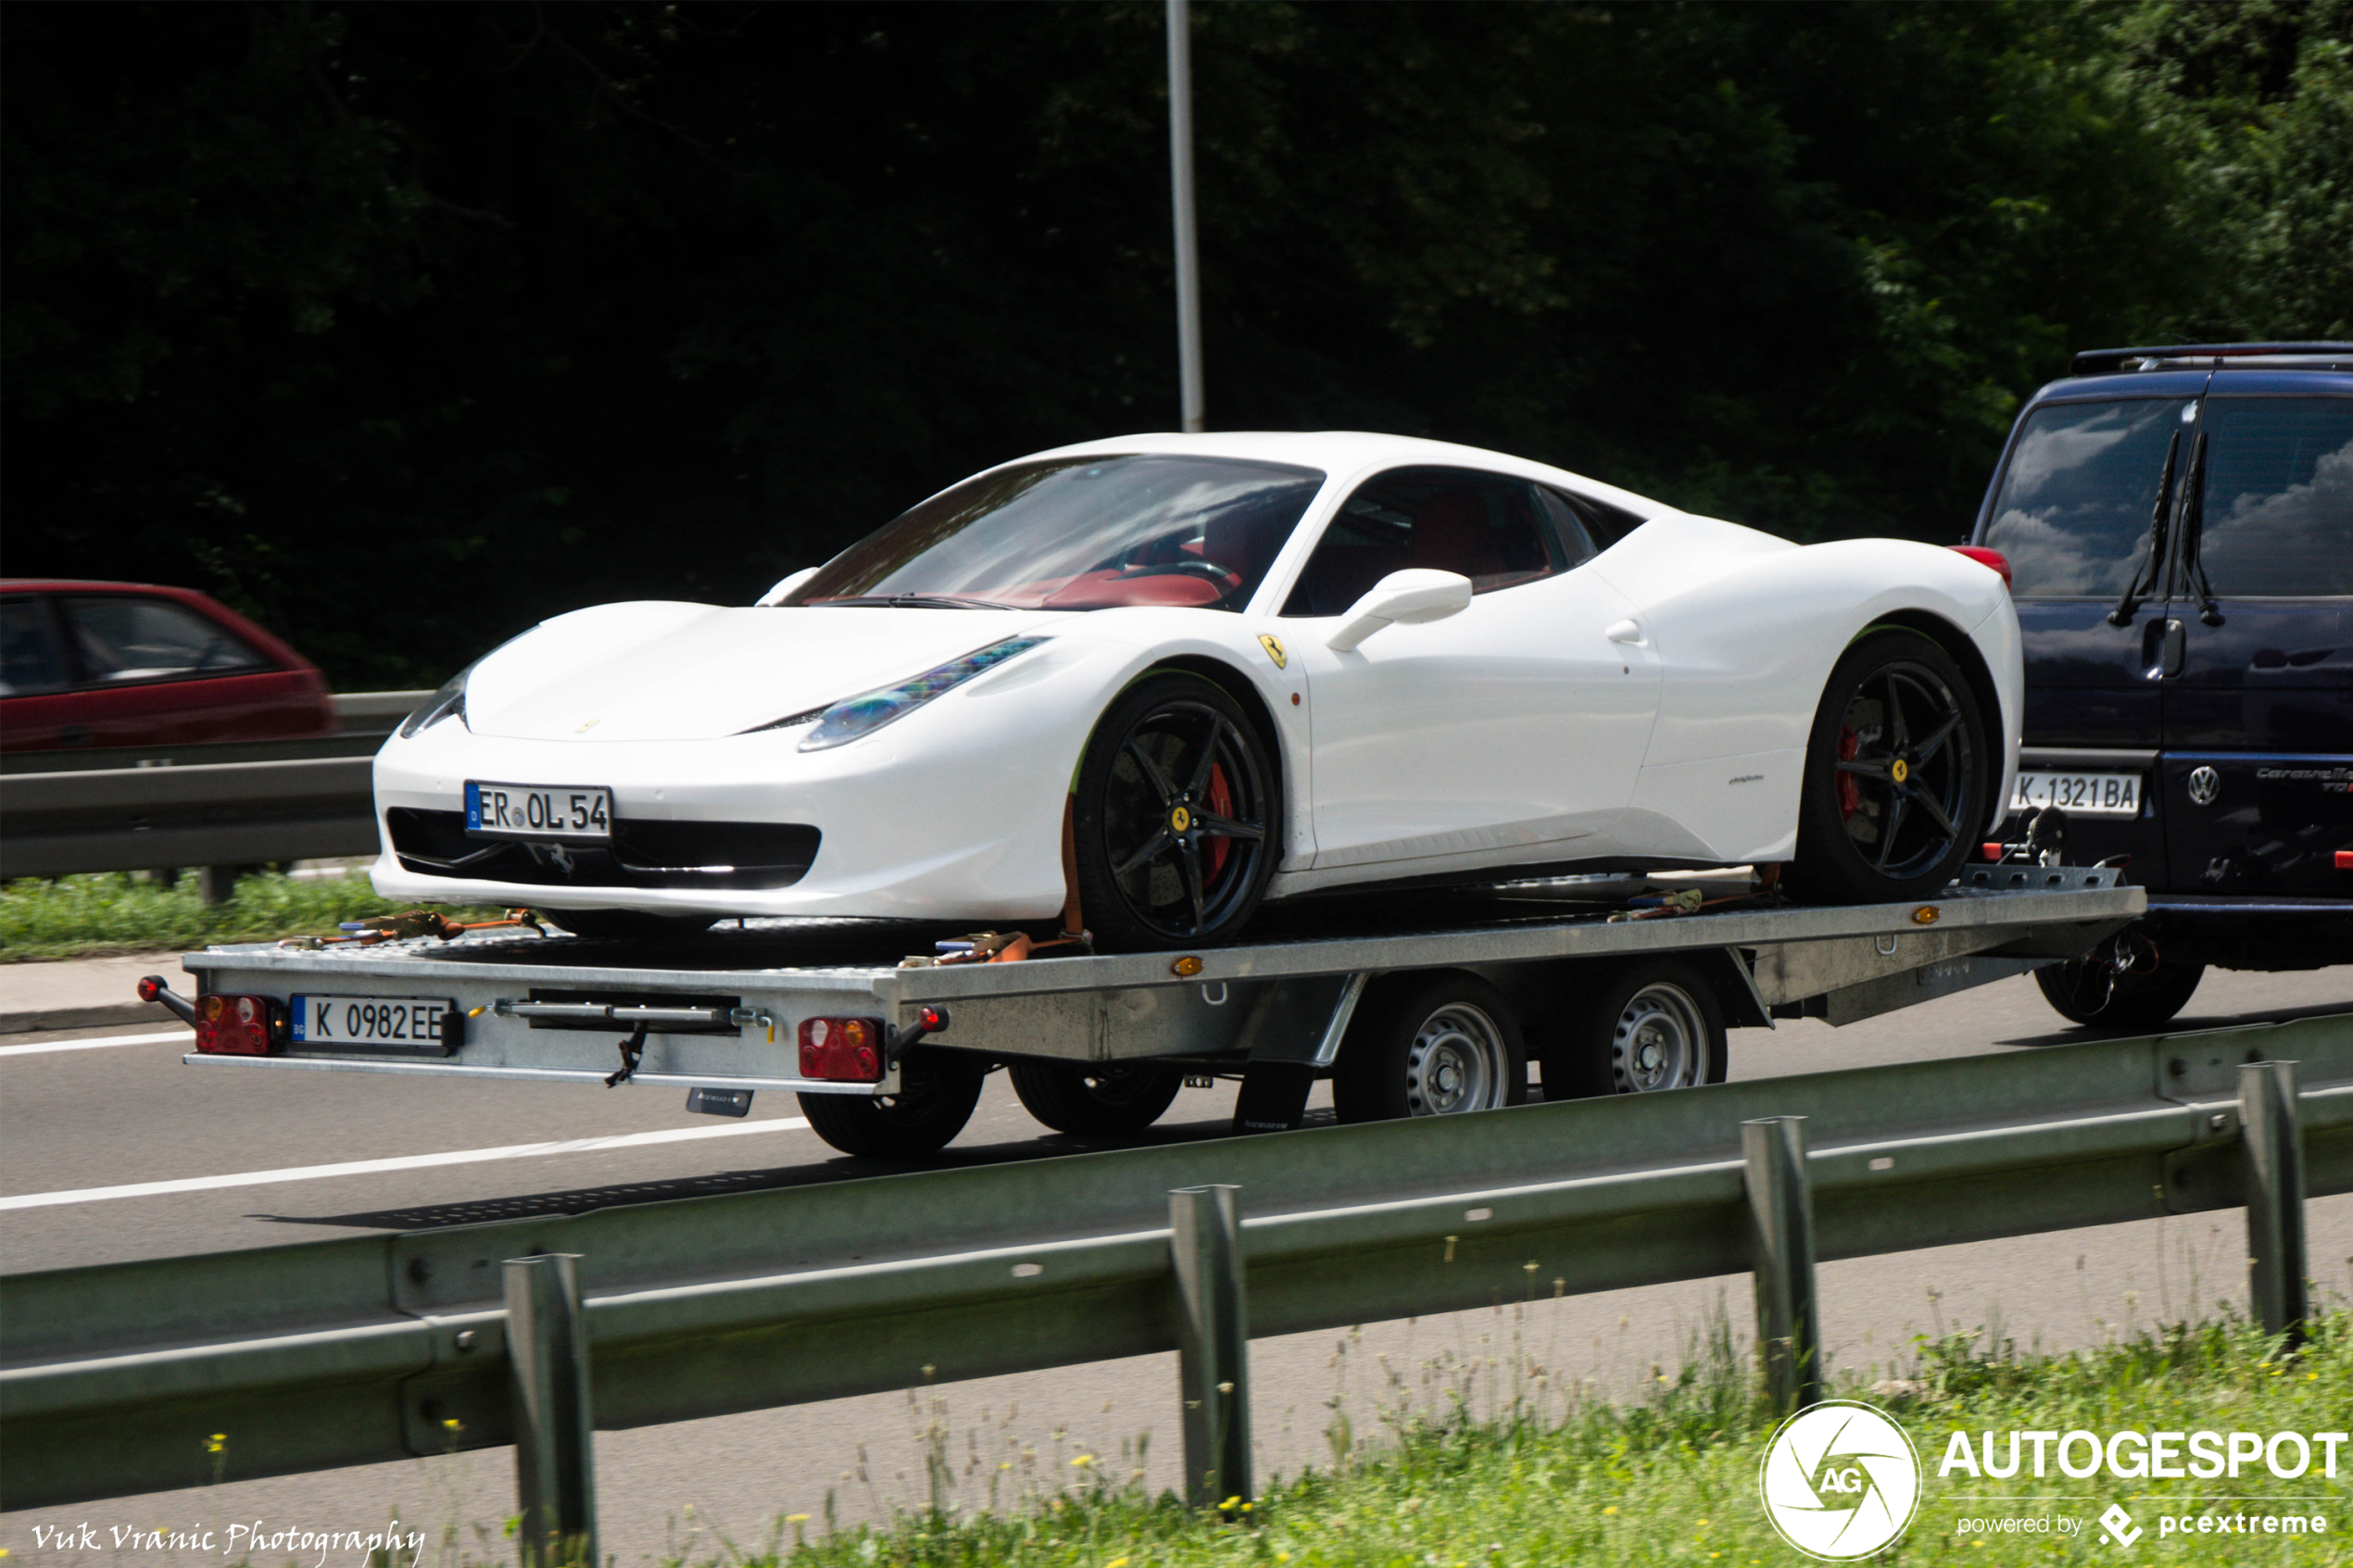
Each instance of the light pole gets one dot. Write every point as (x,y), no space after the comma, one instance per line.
(1181,179)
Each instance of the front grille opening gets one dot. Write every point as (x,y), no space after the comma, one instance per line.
(641,853)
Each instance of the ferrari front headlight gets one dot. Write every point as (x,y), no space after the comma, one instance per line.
(450,699)
(869,711)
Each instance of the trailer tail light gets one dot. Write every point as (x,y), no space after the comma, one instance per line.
(1983,556)
(842,1050)
(1992,851)
(235,1026)
(2345,859)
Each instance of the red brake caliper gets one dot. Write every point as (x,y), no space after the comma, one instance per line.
(1221,804)
(1850,794)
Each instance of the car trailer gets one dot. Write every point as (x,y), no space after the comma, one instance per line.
(1607,986)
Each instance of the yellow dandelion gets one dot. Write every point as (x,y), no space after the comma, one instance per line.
(1234,1501)
(1611,1508)
(1282,1557)
(1083,1460)
(1116,1562)
(796,1519)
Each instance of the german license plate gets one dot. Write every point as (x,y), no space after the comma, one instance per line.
(2086,795)
(418,1025)
(509,810)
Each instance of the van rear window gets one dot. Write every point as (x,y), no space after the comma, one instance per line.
(2072,513)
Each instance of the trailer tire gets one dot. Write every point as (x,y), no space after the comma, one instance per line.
(1429,1044)
(1651,1027)
(937,1091)
(1096,1099)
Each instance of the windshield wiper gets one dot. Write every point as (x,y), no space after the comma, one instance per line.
(2137,589)
(914,601)
(2194,524)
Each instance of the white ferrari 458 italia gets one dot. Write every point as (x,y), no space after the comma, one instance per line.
(1146,684)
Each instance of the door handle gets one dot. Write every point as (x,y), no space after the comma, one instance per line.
(2162,648)
(1624,632)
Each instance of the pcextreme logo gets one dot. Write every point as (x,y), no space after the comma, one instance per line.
(1840,1480)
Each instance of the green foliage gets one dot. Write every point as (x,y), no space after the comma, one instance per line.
(1672,1480)
(118,911)
(401,327)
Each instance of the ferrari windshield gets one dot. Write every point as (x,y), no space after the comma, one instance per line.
(1080,534)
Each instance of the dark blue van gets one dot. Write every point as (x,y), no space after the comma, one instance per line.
(2179,526)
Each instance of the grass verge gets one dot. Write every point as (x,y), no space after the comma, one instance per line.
(117,912)
(1551,1478)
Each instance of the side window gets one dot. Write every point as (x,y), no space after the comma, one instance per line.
(2072,513)
(29,661)
(1602,523)
(126,637)
(1497,531)
(2276,512)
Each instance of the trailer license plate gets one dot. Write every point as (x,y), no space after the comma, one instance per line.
(2086,795)
(508,810)
(420,1025)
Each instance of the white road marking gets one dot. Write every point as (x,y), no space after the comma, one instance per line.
(177,1036)
(397,1163)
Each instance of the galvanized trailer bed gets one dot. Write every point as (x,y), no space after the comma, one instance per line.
(721,1012)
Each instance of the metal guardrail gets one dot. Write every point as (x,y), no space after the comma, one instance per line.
(222,804)
(367,1348)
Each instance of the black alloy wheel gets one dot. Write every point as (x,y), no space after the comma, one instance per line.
(936,1093)
(1176,815)
(1096,1099)
(1895,787)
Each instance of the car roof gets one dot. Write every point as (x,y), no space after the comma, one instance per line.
(1346,452)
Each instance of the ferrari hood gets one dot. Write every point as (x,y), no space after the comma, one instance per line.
(658,671)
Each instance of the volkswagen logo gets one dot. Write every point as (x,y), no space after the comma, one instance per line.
(2205,785)
(1840,1480)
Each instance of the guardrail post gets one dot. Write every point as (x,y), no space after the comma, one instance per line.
(555,1472)
(1780,1223)
(1212,1341)
(2274,1196)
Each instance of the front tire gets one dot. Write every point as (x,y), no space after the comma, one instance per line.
(1177,818)
(936,1093)
(1896,776)
(1434,1045)
(1095,1099)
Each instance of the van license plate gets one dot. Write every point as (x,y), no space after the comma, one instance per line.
(567,811)
(407,1026)
(2083,795)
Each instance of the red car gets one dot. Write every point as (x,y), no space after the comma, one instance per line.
(130,664)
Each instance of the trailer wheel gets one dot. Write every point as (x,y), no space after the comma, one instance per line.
(1096,1099)
(937,1091)
(1433,1044)
(1654,1026)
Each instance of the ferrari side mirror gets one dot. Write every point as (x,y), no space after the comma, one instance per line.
(1414,595)
(776,595)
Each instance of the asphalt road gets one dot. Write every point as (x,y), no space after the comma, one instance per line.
(220,1157)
